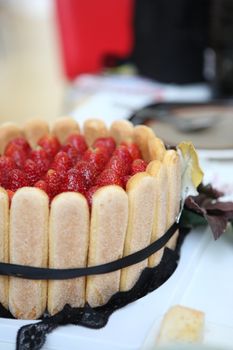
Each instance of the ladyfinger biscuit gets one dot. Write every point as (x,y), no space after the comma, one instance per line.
(93,129)
(4,217)
(28,239)
(122,131)
(34,130)
(173,169)
(141,192)
(142,135)
(108,227)
(156,148)
(65,126)
(157,169)
(68,244)
(8,132)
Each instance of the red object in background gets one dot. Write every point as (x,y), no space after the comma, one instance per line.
(91,30)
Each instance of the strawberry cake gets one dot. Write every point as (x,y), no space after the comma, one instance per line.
(72,198)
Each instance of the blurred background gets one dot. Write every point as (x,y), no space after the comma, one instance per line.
(108,57)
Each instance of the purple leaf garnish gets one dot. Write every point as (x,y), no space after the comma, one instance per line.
(216,213)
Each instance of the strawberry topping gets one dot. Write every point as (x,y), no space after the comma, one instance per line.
(108,177)
(56,168)
(138,166)
(78,142)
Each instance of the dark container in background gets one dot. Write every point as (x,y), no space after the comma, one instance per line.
(170,39)
(221,40)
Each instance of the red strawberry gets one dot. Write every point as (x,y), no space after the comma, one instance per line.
(107,143)
(73,182)
(90,193)
(61,162)
(78,142)
(123,153)
(96,157)
(72,153)
(6,164)
(50,144)
(133,150)
(125,179)
(21,143)
(17,154)
(31,171)
(108,177)
(40,157)
(87,171)
(138,166)
(16,179)
(42,185)
(54,183)
(119,166)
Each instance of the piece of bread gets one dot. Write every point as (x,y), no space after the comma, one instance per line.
(107,234)
(141,190)
(142,135)
(93,129)
(157,169)
(63,127)
(181,325)
(28,246)
(8,132)
(34,130)
(173,167)
(4,219)
(122,131)
(68,244)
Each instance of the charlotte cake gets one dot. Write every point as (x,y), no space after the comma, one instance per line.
(81,200)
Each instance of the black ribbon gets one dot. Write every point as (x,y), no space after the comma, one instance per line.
(40,273)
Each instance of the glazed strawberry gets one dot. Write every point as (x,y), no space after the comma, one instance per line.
(87,171)
(133,150)
(61,162)
(42,185)
(108,177)
(90,193)
(21,143)
(125,179)
(54,183)
(78,142)
(107,143)
(123,153)
(10,195)
(96,157)
(40,157)
(73,182)
(72,153)
(138,166)
(16,180)
(17,154)
(119,166)
(31,171)
(6,164)
(50,144)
